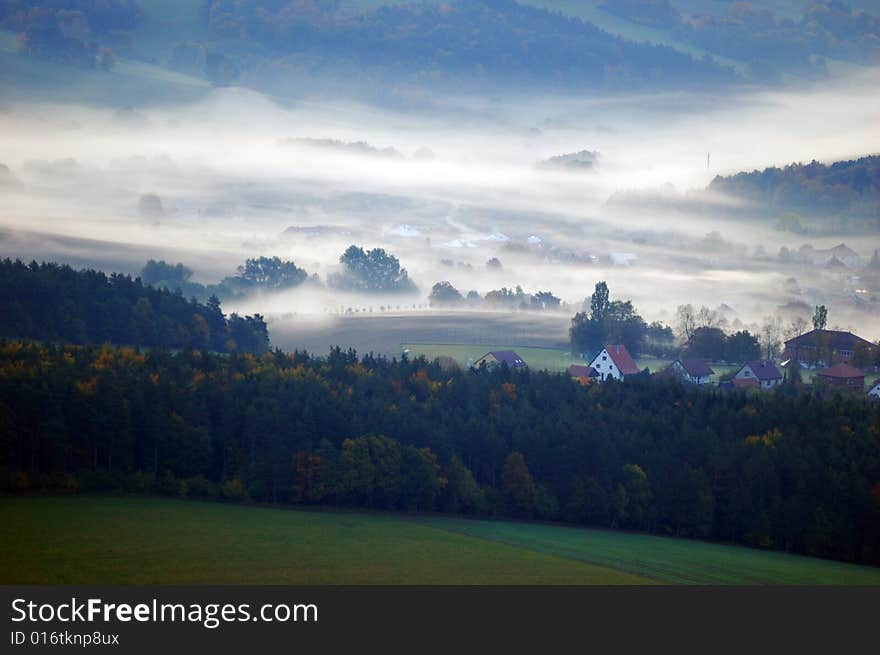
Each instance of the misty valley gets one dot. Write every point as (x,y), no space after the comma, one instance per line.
(614,265)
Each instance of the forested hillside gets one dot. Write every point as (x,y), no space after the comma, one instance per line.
(782,470)
(271,45)
(51,302)
(278,44)
(851,187)
(79,32)
(496,41)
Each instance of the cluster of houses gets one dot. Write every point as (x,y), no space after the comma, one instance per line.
(828,352)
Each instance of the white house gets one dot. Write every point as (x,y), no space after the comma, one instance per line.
(499,357)
(695,371)
(874,391)
(614,362)
(761,374)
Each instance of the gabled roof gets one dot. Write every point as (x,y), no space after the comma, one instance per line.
(875,383)
(834,262)
(834,339)
(509,357)
(843,250)
(696,367)
(841,370)
(764,369)
(580,371)
(622,359)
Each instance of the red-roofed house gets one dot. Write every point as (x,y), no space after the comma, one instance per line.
(614,362)
(842,376)
(746,383)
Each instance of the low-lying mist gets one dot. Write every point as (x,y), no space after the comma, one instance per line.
(239,174)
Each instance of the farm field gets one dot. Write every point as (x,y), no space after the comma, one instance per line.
(548,359)
(665,559)
(142,540)
(383,333)
(139,540)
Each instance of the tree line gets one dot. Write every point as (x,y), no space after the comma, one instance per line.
(443,294)
(851,187)
(605,321)
(785,469)
(258,273)
(363,271)
(53,302)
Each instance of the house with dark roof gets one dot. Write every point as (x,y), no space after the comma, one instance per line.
(499,357)
(846,255)
(834,264)
(692,369)
(825,347)
(842,377)
(614,362)
(761,374)
(581,373)
(874,390)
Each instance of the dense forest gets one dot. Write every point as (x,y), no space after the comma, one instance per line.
(827,28)
(263,42)
(851,187)
(753,33)
(78,32)
(51,302)
(782,469)
(491,41)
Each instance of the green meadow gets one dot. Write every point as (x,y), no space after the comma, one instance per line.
(549,359)
(144,540)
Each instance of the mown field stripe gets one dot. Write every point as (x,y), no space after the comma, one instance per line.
(665,559)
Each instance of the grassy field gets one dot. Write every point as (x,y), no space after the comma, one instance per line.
(665,559)
(383,333)
(137,540)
